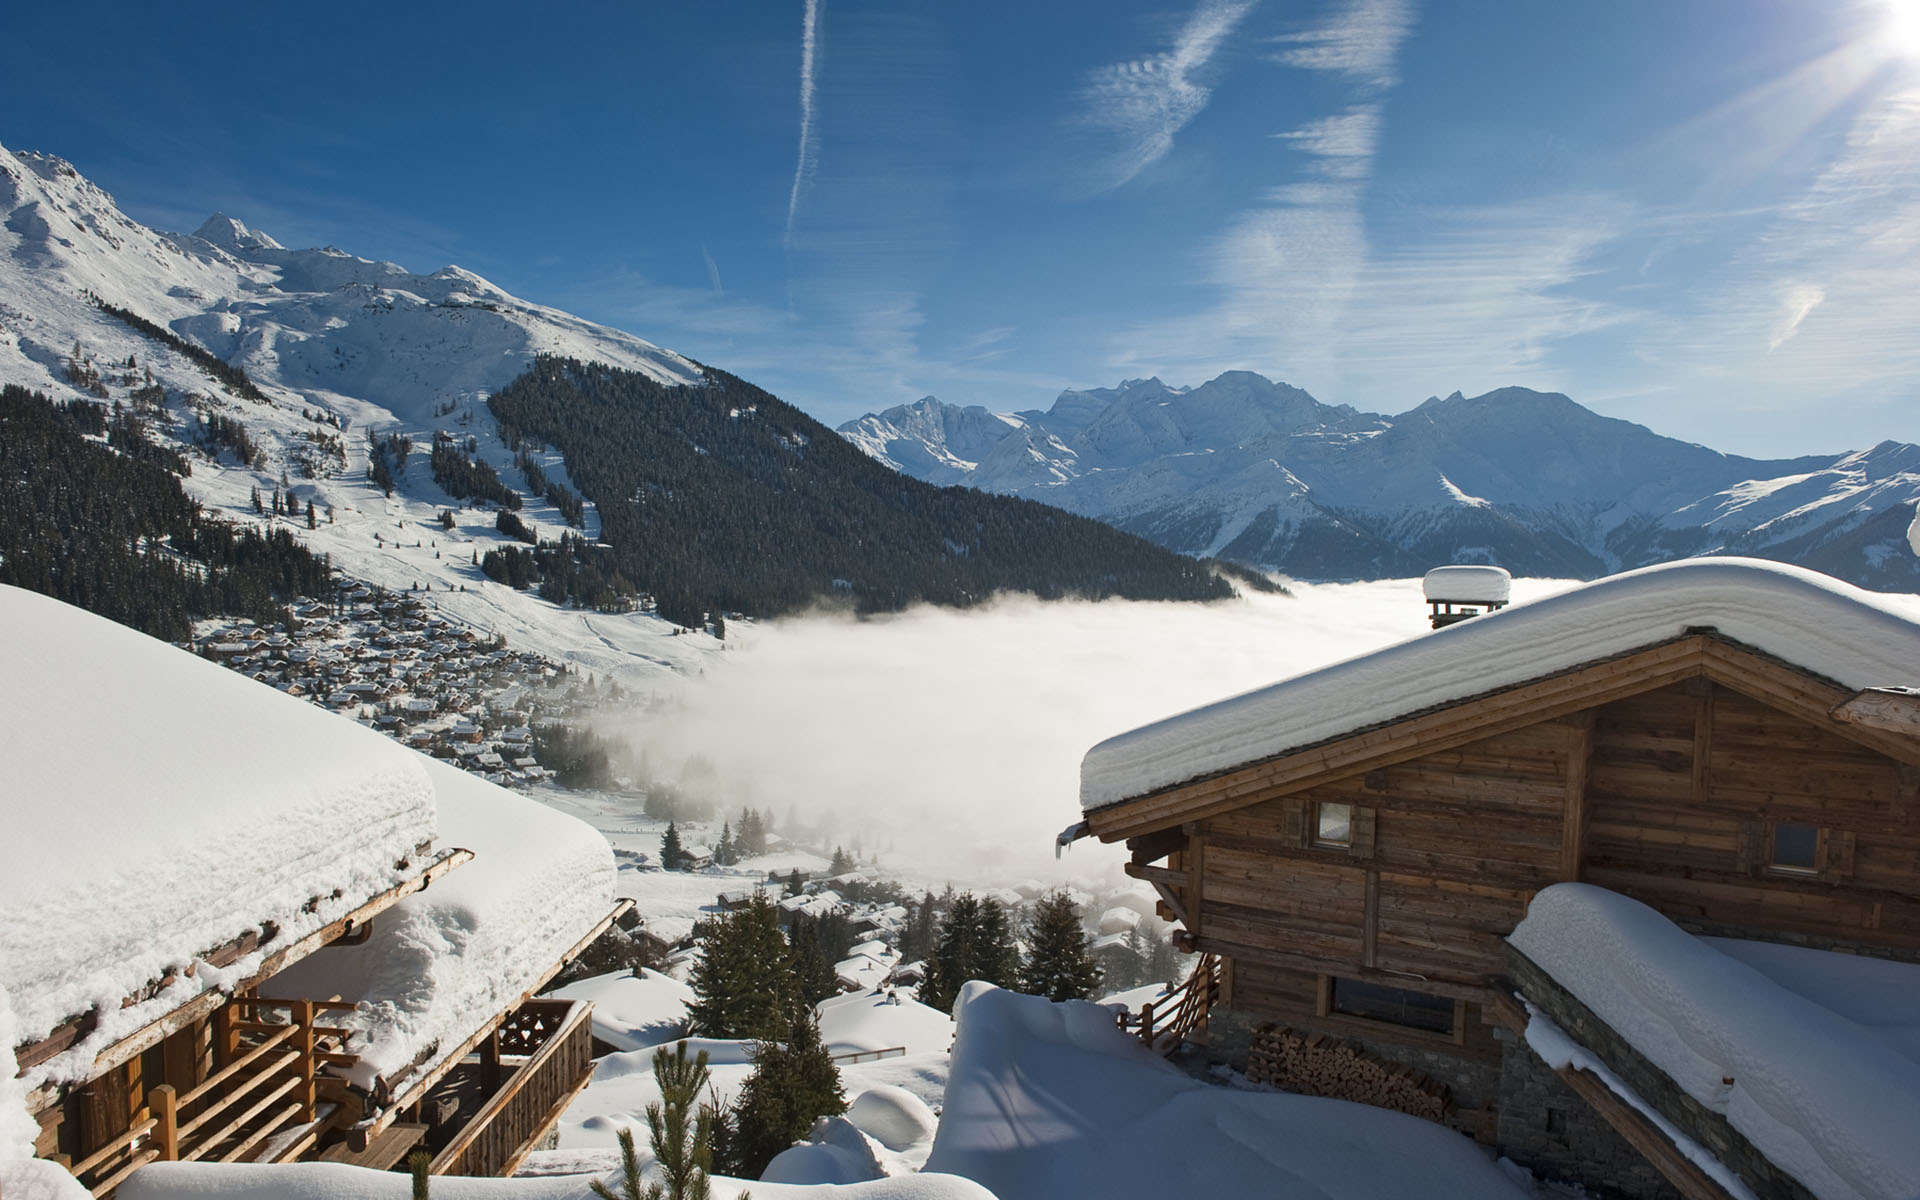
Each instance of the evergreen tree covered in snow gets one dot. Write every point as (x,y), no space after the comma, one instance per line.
(743,981)
(1059,965)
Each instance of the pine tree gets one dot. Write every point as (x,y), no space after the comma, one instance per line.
(313,518)
(813,976)
(918,939)
(842,862)
(743,983)
(793,1085)
(673,857)
(974,943)
(679,1128)
(724,852)
(1059,965)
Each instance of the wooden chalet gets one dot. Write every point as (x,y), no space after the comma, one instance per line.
(1728,742)
(249,878)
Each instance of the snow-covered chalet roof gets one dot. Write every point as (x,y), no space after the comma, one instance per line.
(157,807)
(444,961)
(1856,638)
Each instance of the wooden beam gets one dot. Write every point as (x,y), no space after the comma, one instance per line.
(1153,847)
(206,1003)
(1643,1135)
(1573,826)
(1892,710)
(1761,677)
(1455,724)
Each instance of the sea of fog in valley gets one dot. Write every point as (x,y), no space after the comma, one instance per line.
(949,742)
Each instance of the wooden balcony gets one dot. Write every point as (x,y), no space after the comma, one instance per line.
(268,1103)
(519,1083)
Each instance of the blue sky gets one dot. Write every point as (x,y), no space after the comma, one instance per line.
(1703,215)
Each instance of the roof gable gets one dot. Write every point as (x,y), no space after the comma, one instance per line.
(1851,638)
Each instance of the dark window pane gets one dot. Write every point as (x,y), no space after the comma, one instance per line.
(1796,846)
(1378,1002)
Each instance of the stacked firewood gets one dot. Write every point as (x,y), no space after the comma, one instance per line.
(1316,1064)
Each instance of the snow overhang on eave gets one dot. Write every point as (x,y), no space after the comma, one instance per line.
(203,1003)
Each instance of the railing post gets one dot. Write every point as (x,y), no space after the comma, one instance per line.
(309,1097)
(166,1114)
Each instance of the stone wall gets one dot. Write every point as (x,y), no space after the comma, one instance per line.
(1548,1129)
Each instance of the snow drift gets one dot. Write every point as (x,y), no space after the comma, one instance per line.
(1048,1100)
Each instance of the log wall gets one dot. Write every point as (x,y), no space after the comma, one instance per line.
(1669,796)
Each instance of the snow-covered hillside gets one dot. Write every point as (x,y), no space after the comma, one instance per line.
(341,348)
(1246,468)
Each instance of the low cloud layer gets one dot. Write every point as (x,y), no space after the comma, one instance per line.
(950,742)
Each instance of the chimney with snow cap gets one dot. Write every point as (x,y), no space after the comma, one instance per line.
(1456,593)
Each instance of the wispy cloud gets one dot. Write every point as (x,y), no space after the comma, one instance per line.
(1796,303)
(1361,40)
(807,159)
(1481,299)
(713,272)
(1143,104)
(1344,143)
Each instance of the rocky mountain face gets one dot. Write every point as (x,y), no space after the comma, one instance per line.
(1248,469)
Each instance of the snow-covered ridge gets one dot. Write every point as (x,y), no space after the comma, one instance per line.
(1246,468)
(1857,638)
(342,347)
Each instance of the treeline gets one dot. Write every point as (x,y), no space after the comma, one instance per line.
(721,498)
(233,377)
(110,529)
(569,571)
(466,478)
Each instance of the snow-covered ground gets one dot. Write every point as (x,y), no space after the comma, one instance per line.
(1049,1100)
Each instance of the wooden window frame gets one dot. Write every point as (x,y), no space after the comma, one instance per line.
(1313,830)
(1377,1027)
(1780,870)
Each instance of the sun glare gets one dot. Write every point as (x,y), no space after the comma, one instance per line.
(1900,26)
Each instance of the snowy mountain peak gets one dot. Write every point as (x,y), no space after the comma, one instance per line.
(233,237)
(1248,468)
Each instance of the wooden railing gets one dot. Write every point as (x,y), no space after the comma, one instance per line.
(1162,1024)
(549,1046)
(269,1088)
(860,1056)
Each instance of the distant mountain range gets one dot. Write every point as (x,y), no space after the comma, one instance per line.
(1247,469)
(375,396)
